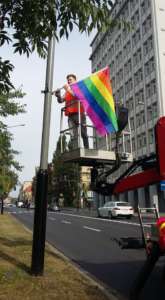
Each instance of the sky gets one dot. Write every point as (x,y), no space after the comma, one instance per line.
(71,56)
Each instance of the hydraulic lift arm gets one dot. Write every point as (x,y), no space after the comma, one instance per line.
(153,169)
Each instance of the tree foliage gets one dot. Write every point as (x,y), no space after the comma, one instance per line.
(32,21)
(27,24)
(64,177)
(8,165)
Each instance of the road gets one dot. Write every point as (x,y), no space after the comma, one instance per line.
(91,243)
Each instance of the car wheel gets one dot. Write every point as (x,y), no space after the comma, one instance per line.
(98,215)
(110,215)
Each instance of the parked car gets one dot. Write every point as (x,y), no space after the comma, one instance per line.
(20,204)
(54,207)
(115,209)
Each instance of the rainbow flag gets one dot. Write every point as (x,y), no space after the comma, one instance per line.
(95,94)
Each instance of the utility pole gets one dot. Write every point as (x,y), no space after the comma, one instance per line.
(39,229)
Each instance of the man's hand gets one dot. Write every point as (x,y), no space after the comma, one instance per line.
(57,93)
(66,87)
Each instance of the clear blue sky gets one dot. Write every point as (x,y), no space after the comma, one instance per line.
(71,56)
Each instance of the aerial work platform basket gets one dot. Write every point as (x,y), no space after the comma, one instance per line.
(102,150)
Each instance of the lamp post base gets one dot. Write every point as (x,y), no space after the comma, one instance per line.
(39,227)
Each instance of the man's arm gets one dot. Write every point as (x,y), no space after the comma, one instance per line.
(68,89)
(57,93)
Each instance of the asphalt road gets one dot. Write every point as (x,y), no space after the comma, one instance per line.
(92,244)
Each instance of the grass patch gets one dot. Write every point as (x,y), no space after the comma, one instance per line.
(61,280)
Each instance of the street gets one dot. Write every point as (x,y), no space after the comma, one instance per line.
(91,243)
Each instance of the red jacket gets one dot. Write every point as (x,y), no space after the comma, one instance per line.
(71,104)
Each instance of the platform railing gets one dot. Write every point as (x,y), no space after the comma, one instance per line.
(107,143)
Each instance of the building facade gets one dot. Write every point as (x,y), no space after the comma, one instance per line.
(136,57)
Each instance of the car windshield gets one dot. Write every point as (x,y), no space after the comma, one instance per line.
(108,204)
(123,204)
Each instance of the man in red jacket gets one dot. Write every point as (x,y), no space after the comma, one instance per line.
(71,110)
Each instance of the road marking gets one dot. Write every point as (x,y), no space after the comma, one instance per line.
(100,220)
(52,219)
(93,218)
(65,222)
(90,228)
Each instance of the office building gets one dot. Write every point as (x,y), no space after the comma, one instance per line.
(136,57)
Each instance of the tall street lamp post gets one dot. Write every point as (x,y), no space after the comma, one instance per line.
(39,229)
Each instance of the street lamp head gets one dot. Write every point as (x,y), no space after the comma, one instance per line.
(19,125)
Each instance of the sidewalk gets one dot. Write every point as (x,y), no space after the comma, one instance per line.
(62,280)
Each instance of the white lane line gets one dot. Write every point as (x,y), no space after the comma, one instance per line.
(65,222)
(52,219)
(99,219)
(90,228)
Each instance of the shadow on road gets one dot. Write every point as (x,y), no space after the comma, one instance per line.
(120,276)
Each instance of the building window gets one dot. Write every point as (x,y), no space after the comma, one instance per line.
(143,139)
(142,118)
(155,110)
(139,141)
(137,120)
(133,144)
(153,87)
(148,91)
(132,124)
(149,113)
(151,136)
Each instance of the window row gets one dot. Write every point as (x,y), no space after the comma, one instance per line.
(149,66)
(138,77)
(137,57)
(136,38)
(151,89)
(148,45)
(147,25)
(152,113)
(127,49)
(119,76)
(135,18)
(145,5)
(128,86)
(139,97)
(141,140)
(127,67)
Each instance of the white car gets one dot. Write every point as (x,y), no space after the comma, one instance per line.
(19,204)
(116,209)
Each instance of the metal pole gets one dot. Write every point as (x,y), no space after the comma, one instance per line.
(39,229)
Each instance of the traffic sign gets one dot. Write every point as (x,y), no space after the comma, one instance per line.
(162,185)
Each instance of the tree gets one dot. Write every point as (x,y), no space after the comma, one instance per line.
(8,164)
(8,107)
(27,24)
(64,176)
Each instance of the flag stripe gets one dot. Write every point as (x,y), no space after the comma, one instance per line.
(103,91)
(97,108)
(101,129)
(101,103)
(104,77)
(95,93)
